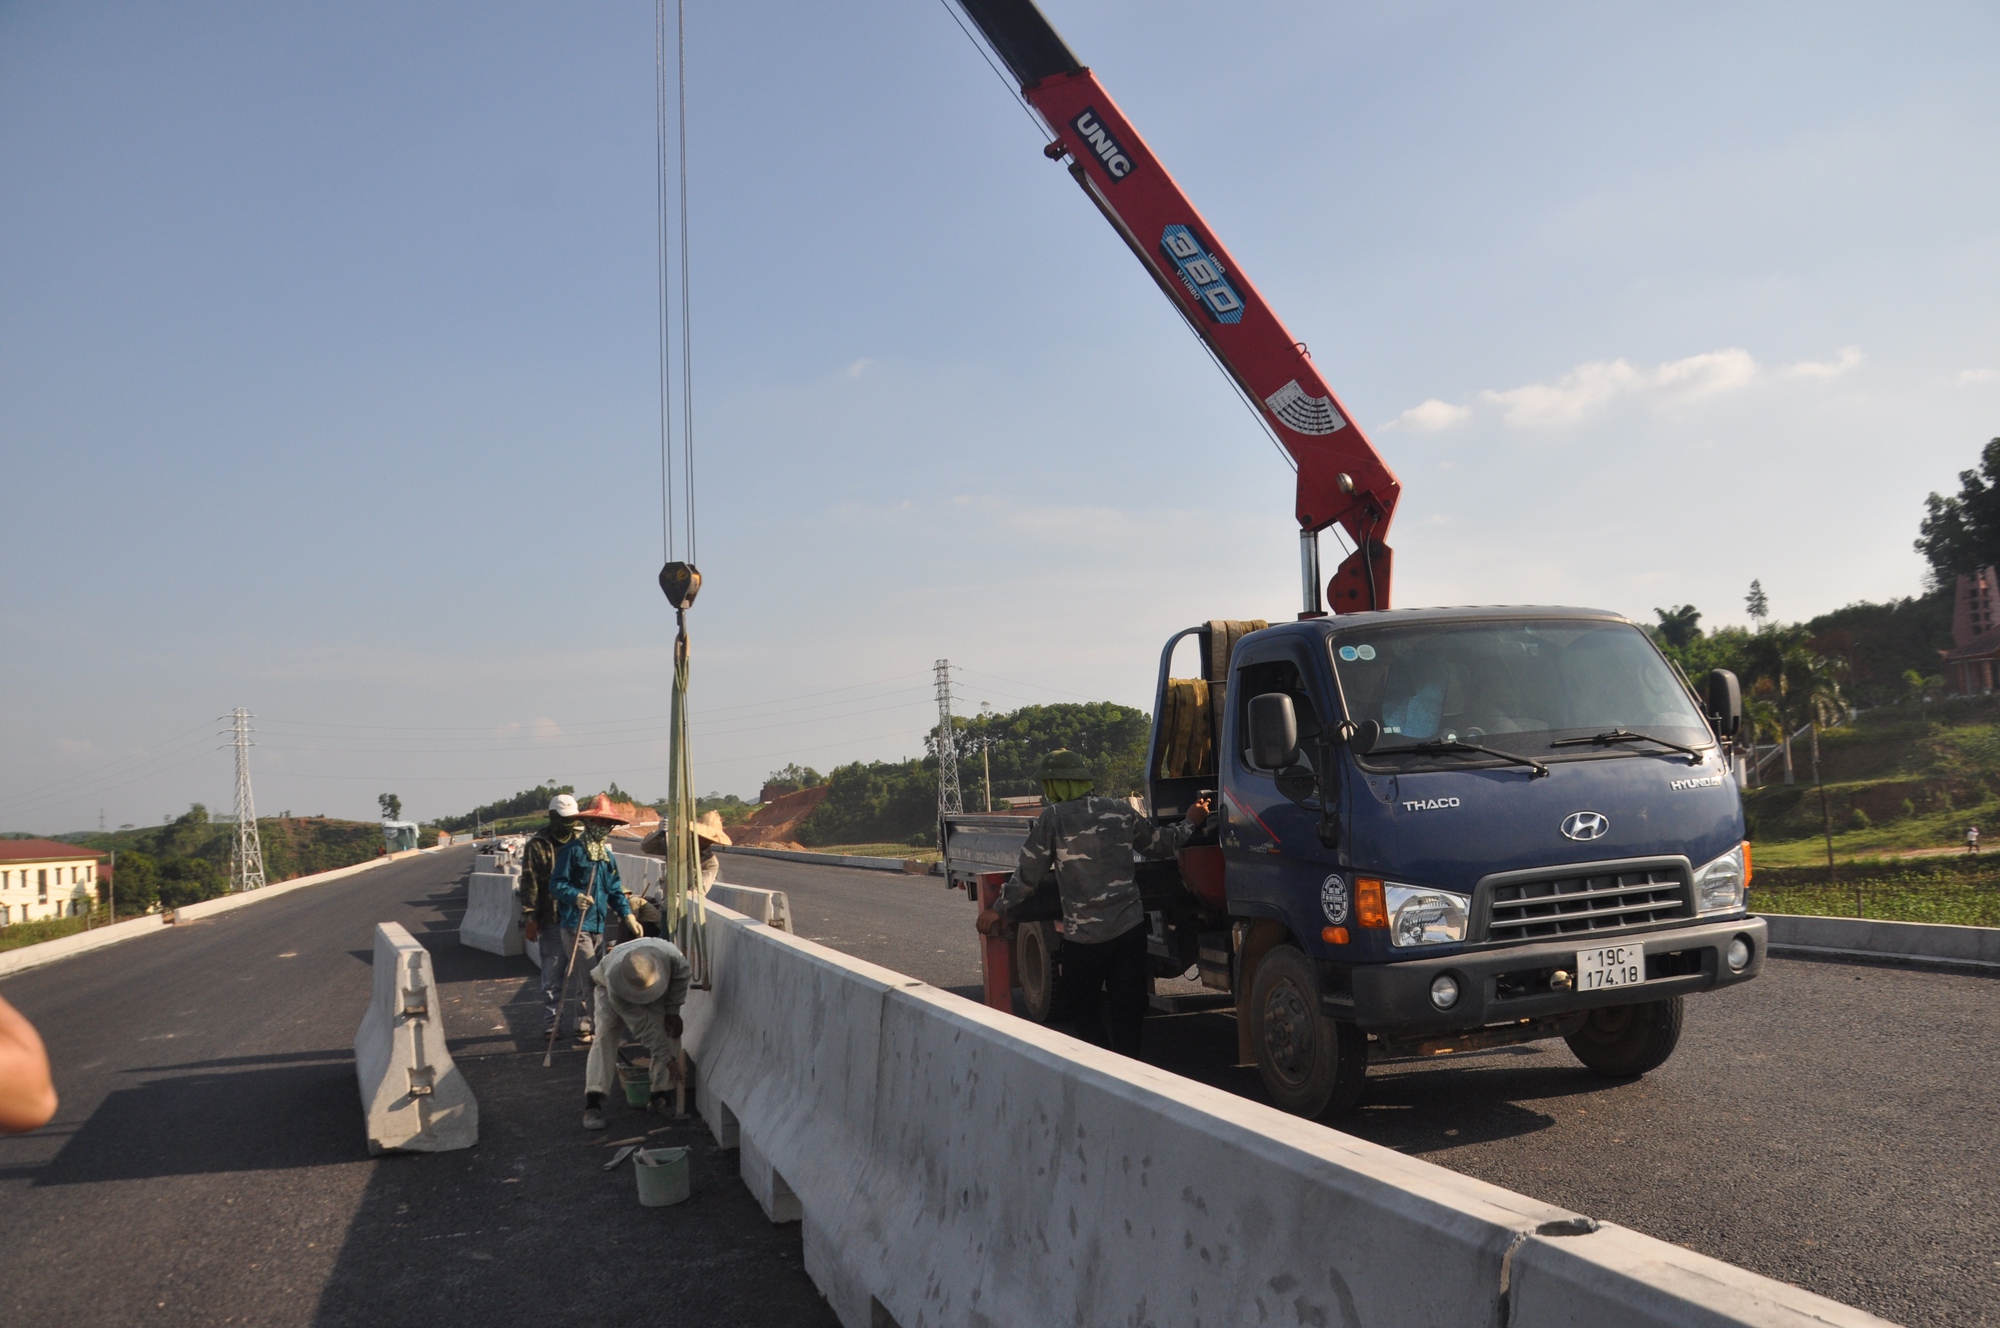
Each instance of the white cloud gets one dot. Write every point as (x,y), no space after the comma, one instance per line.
(1589,386)
(859,367)
(1849,357)
(1430,416)
(1967,377)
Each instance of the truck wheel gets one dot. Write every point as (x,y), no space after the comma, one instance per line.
(1312,1065)
(1035,967)
(1626,1040)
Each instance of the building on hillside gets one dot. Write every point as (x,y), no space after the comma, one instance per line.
(1972,663)
(44,878)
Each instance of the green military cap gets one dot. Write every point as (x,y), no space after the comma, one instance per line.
(1065,764)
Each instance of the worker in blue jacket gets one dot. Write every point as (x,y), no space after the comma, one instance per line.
(585,884)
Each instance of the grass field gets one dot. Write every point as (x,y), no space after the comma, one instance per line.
(48,929)
(1956,888)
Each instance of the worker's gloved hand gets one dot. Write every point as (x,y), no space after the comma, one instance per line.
(584,903)
(672,1020)
(1198,813)
(532,929)
(991,923)
(633,922)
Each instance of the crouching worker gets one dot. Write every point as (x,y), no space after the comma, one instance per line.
(641,986)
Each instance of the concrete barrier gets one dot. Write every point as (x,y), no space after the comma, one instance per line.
(823,859)
(495,862)
(639,874)
(773,908)
(492,920)
(412,1095)
(1868,938)
(955,1165)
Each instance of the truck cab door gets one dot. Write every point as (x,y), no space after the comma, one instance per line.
(1272,850)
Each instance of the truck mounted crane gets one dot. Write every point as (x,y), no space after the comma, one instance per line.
(1437,830)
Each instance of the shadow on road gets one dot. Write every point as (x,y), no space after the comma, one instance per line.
(270,1119)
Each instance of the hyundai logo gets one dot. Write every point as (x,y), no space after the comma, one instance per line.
(1586,825)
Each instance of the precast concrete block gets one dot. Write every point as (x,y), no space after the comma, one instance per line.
(952,1164)
(492,920)
(1608,1274)
(639,875)
(413,1097)
(770,907)
(488,862)
(1922,942)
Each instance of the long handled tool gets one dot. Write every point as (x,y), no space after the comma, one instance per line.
(555,1025)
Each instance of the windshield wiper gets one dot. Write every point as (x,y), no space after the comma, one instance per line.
(1627,735)
(1454,745)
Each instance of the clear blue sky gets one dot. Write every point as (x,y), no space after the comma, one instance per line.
(328,360)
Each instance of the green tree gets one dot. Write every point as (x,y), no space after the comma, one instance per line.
(392,806)
(790,780)
(189,881)
(523,803)
(1769,663)
(1679,627)
(1961,534)
(1758,603)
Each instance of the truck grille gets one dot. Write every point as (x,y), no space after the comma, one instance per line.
(1607,900)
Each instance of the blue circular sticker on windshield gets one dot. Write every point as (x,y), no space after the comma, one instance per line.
(1349,653)
(1366,652)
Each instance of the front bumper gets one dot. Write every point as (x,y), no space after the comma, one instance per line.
(1512,984)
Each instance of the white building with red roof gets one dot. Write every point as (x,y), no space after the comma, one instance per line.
(46,878)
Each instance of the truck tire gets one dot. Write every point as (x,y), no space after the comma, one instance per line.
(1622,1041)
(1312,1065)
(1035,967)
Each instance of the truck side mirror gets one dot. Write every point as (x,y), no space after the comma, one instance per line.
(1274,731)
(1366,734)
(1725,702)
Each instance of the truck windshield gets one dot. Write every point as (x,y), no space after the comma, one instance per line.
(1517,686)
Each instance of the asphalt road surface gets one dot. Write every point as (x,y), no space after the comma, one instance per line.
(208,1164)
(1832,1125)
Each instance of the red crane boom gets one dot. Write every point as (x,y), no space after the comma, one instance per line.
(1341,477)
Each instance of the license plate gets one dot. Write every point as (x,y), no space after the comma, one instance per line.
(1613,966)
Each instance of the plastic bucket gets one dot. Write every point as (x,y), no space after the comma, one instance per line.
(663,1175)
(638,1084)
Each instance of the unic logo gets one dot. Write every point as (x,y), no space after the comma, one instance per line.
(1201,274)
(1585,825)
(1101,145)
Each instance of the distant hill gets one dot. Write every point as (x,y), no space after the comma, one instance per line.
(188,858)
(1905,776)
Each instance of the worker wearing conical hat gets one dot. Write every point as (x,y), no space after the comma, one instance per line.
(708,832)
(588,894)
(641,986)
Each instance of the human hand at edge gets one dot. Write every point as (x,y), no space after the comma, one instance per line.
(27,1093)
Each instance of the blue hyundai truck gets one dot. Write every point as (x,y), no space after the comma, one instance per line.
(1438,830)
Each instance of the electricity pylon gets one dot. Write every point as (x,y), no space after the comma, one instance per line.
(247,861)
(949,803)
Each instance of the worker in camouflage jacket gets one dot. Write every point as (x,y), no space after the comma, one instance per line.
(1086,844)
(538,906)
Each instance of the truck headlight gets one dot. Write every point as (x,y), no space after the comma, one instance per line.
(1425,917)
(1718,885)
